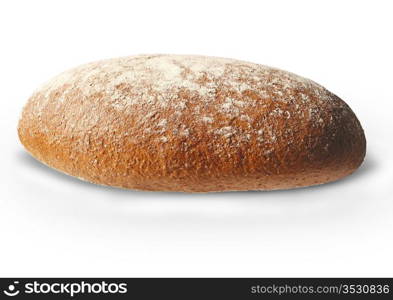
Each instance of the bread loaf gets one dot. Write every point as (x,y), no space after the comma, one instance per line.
(191,124)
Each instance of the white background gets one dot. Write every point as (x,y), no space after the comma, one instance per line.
(55,225)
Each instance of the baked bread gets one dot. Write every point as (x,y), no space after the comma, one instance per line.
(191,124)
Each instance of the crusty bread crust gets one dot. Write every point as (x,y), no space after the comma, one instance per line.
(191,124)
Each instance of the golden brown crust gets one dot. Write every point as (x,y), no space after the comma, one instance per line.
(191,124)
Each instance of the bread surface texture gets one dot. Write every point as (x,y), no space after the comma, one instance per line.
(191,124)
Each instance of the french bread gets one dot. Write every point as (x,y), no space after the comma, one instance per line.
(191,124)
